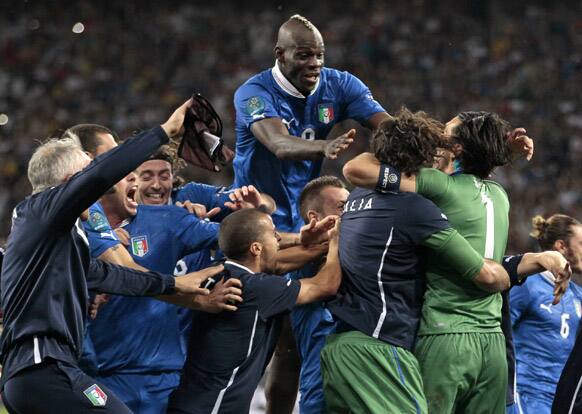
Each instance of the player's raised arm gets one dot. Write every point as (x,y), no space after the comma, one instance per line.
(380,169)
(85,188)
(327,281)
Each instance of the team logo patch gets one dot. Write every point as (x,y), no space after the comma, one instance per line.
(255,105)
(96,395)
(139,246)
(97,221)
(325,113)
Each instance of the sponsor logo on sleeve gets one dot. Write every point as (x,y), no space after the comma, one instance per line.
(255,107)
(97,221)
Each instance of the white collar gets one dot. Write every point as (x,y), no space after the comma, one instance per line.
(288,86)
(239,265)
(549,276)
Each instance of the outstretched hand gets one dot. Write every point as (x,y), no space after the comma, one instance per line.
(341,143)
(556,263)
(520,144)
(174,126)
(198,209)
(316,232)
(224,296)
(190,283)
(244,197)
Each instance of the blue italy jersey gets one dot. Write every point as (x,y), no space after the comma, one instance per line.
(141,335)
(338,96)
(543,334)
(311,324)
(101,236)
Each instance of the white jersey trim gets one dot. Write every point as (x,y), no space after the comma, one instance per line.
(575,395)
(381,288)
(233,375)
(287,86)
(36,351)
(239,266)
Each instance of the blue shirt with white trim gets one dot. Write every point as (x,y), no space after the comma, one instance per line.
(381,254)
(337,96)
(543,334)
(151,341)
(229,351)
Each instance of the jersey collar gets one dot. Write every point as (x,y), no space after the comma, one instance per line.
(549,276)
(239,266)
(287,86)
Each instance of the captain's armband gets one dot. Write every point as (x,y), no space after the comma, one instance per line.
(388,180)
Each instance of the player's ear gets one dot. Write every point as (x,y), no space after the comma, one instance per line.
(312,215)
(256,249)
(279,54)
(457,149)
(560,246)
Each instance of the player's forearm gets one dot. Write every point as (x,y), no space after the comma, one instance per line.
(296,257)
(325,283)
(363,170)
(289,240)
(120,256)
(287,147)
(531,263)
(110,278)
(492,277)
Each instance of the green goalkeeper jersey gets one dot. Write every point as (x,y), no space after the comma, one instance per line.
(478,209)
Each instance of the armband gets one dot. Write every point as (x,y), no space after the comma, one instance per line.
(388,180)
(510,264)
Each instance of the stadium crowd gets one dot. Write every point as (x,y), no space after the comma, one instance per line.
(395,315)
(132,60)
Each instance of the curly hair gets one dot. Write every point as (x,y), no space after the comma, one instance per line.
(483,136)
(556,227)
(408,141)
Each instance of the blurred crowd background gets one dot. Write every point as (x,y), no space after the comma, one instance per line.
(127,64)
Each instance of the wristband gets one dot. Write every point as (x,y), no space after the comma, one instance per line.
(510,264)
(388,180)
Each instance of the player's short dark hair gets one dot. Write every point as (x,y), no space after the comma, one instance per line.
(169,154)
(310,195)
(86,134)
(408,141)
(483,136)
(239,230)
(556,227)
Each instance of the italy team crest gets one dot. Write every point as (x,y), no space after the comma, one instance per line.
(325,113)
(139,246)
(96,395)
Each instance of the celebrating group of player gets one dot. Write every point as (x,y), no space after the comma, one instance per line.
(396,307)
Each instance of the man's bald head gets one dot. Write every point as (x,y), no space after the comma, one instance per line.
(299,53)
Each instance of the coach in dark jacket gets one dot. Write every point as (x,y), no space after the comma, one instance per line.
(47,273)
